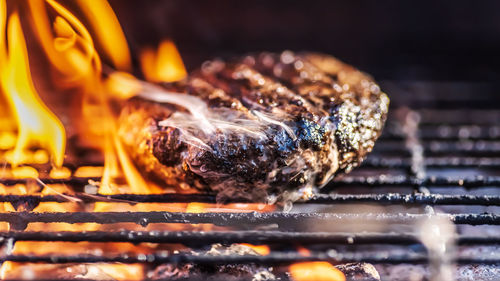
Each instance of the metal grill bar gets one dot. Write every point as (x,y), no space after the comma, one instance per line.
(433,162)
(73,181)
(383,180)
(253,237)
(273,258)
(383,199)
(420,199)
(440,148)
(462,117)
(470,145)
(386,180)
(20,219)
(451,132)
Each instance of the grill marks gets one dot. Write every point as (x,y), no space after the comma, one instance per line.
(282,122)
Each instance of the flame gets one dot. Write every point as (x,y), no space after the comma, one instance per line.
(36,124)
(70,49)
(163,65)
(263,250)
(318,271)
(76,66)
(303,251)
(123,85)
(67,44)
(111,38)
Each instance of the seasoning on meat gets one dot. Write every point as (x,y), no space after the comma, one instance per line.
(265,125)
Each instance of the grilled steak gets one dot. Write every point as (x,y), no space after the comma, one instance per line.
(266,124)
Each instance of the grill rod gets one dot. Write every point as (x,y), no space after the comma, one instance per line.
(253,237)
(19,220)
(433,162)
(383,180)
(273,258)
(386,199)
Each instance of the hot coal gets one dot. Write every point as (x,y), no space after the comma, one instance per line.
(250,271)
(265,124)
(216,271)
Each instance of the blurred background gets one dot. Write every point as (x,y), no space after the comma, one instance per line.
(392,40)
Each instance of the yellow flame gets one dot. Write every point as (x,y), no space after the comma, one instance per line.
(108,32)
(36,124)
(164,65)
(67,44)
(70,48)
(122,85)
(263,250)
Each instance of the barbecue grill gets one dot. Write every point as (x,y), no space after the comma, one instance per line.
(430,163)
(424,205)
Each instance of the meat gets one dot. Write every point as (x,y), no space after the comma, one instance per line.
(260,126)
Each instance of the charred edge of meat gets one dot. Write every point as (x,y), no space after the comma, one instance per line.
(266,124)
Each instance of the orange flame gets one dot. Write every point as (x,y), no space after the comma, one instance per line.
(73,53)
(67,44)
(260,249)
(318,271)
(36,124)
(71,50)
(111,37)
(164,65)
(303,251)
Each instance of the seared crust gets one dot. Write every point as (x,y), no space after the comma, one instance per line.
(270,123)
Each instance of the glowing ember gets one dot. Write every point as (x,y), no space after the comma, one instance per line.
(88,172)
(318,271)
(260,249)
(303,251)
(60,173)
(24,172)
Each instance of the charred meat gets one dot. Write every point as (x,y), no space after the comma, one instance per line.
(260,125)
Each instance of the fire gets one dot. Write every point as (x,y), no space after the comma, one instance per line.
(164,64)
(36,124)
(111,38)
(70,49)
(318,271)
(67,44)
(260,249)
(32,134)
(303,251)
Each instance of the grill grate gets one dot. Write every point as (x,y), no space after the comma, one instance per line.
(249,236)
(434,162)
(271,259)
(19,220)
(387,199)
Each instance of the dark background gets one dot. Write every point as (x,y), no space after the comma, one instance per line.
(393,40)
